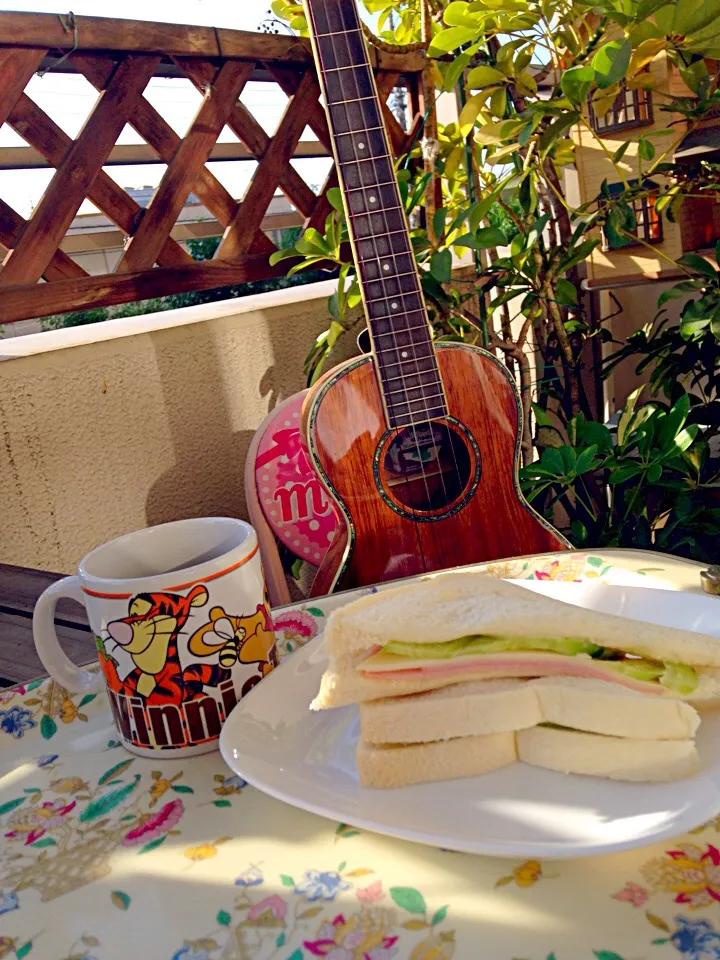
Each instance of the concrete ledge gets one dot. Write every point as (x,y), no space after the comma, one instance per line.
(116,425)
(106,330)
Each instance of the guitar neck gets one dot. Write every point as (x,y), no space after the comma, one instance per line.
(405,358)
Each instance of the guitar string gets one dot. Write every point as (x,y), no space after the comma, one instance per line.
(378,259)
(417,292)
(393,326)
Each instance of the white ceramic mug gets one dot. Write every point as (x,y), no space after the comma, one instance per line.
(182,627)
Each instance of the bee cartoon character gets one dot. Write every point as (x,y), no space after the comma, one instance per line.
(234,640)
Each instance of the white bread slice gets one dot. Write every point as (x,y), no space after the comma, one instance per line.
(494,706)
(607,708)
(462,710)
(643,761)
(401,766)
(446,606)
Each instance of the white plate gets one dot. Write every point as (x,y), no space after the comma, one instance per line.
(307,759)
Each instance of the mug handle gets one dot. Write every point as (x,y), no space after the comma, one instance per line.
(54,659)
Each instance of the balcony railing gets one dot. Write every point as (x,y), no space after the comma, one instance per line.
(119,58)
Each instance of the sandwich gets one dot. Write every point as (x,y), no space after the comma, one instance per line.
(461,627)
(460,674)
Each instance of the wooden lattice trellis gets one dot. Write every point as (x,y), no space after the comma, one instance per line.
(119,58)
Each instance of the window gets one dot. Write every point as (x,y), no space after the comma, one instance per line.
(637,217)
(631,108)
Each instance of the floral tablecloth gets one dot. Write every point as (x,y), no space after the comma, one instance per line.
(104,855)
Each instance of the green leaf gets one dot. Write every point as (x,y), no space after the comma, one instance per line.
(566,292)
(654,472)
(626,472)
(489,237)
(101,806)
(151,844)
(280,941)
(576,83)
(286,880)
(438,916)
(24,950)
(543,418)
(120,899)
(48,727)
(699,265)
(454,71)
(296,955)
(692,15)
(115,771)
(457,14)
(585,460)
(224,918)
(11,804)
(469,113)
(627,414)
(611,62)
(315,611)
(646,149)
(181,788)
(221,803)
(439,222)
(684,439)
(44,842)
(556,130)
(620,152)
(408,898)
(448,40)
(607,955)
(88,698)
(484,77)
(335,199)
(441,266)
(498,102)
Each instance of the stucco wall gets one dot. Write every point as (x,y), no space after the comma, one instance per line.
(118,425)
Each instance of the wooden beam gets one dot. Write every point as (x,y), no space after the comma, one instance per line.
(11,229)
(16,70)
(131,154)
(316,116)
(69,186)
(26,301)
(180,40)
(264,183)
(190,157)
(34,125)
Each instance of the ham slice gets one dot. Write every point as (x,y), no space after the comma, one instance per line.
(503,665)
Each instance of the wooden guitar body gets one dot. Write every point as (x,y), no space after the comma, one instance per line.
(424,497)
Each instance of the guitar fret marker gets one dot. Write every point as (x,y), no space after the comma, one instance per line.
(361,145)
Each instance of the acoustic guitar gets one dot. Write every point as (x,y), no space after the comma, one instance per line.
(417,443)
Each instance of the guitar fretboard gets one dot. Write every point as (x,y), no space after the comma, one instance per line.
(406,362)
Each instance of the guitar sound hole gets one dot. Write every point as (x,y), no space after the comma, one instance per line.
(427,468)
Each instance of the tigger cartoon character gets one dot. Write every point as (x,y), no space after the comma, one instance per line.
(149,634)
(236,640)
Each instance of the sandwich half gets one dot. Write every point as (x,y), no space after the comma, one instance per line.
(462,627)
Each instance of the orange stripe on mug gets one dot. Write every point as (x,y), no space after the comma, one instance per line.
(177,586)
